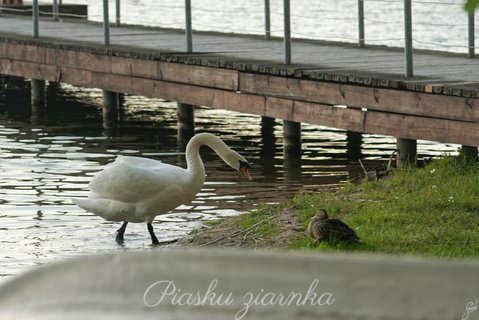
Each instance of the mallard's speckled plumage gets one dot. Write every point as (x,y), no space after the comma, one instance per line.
(321,228)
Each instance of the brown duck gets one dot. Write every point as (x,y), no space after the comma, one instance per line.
(321,228)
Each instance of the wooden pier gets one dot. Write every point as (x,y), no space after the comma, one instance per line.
(336,85)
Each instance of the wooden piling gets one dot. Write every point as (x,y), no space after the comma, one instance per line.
(267,129)
(291,139)
(267,123)
(186,117)
(186,123)
(469,152)
(407,152)
(268,140)
(353,145)
(111,108)
(38,93)
(52,90)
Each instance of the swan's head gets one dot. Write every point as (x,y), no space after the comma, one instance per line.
(244,169)
(237,162)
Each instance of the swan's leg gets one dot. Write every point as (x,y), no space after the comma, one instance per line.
(154,239)
(120,232)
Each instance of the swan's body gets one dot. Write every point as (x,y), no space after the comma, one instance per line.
(133,189)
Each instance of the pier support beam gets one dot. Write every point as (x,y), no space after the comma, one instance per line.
(407,152)
(186,117)
(353,145)
(469,152)
(292,139)
(111,108)
(52,90)
(267,129)
(268,141)
(38,93)
(267,124)
(186,123)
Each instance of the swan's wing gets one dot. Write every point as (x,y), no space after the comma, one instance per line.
(108,209)
(127,183)
(138,162)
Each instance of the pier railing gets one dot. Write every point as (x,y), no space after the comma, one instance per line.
(287,32)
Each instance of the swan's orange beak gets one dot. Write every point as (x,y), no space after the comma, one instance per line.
(245,172)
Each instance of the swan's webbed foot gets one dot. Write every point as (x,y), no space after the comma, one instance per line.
(120,232)
(154,239)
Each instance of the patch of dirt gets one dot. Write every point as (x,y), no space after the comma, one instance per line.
(225,233)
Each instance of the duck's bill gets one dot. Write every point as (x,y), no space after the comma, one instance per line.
(245,172)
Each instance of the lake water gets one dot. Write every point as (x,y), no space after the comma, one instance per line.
(48,158)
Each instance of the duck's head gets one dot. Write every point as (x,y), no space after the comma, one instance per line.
(321,215)
(237,162)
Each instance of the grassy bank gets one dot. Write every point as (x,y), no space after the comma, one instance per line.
(428,211)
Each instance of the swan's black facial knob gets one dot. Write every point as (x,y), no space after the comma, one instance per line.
(244,169)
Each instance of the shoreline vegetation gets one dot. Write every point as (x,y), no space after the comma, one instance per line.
(429,211)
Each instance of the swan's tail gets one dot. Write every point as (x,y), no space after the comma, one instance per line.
(108,209)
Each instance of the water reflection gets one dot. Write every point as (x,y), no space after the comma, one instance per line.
(48,158)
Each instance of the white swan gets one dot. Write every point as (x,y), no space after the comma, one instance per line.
(133,189)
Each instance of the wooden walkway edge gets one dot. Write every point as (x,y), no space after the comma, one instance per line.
(429,106)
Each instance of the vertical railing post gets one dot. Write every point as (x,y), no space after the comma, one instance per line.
(267,20)
(55,10)
(106,22)
(287,31)
(35,14)
(408,38)
(361,22)
(117,7)
(471,34)
(188,29)
(1,7)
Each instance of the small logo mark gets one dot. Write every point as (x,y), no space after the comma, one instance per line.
(471,306)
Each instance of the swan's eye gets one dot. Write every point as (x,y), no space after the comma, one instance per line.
(243,164)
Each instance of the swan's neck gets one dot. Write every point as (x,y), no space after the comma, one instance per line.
(195,165)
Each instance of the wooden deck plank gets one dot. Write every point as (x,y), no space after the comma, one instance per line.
(203,76)
(414,127)
(397,101)
(348,57)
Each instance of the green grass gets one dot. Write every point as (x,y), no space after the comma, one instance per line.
(259,223)
(431,211)
(428,211)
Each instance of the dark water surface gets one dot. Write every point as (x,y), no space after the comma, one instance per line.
(48,158)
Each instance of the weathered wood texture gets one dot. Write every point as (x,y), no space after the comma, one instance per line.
(412,109)
(133,285)
(397,101)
